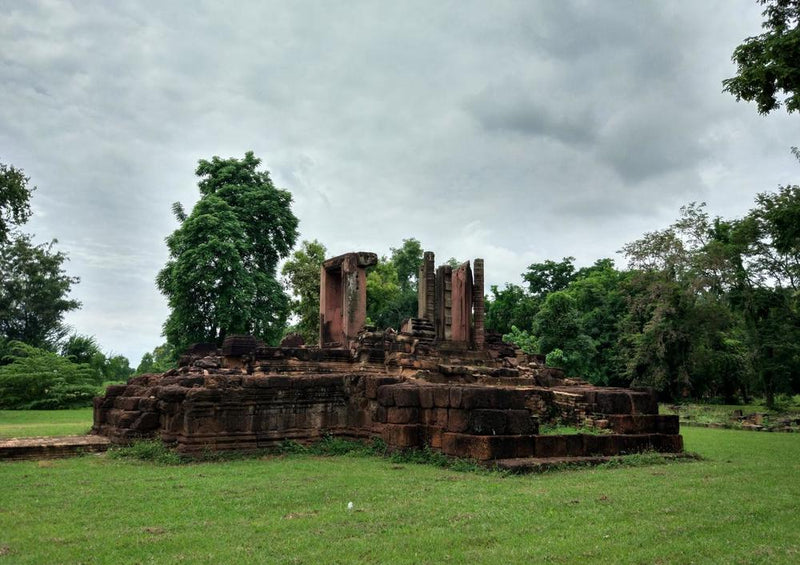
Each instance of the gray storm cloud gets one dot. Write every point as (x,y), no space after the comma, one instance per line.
(516,131)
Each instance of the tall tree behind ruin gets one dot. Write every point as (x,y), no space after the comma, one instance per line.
(220,278)
(301,271)
(34,288)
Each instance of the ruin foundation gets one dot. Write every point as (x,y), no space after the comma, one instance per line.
(440,382)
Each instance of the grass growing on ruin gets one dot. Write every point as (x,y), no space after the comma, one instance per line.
(738,505)
(31,423)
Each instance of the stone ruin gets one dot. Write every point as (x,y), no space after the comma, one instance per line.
(441,381)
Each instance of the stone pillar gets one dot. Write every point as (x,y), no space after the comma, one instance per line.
(462,304)
(478,306)
(442,302)
(343,298)
(426,285)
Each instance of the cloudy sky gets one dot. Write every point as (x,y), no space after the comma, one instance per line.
(512,131)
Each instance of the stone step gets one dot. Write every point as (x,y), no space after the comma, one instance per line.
(523,465)
(51,447)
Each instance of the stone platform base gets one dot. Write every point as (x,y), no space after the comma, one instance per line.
(524,465)
(51,447)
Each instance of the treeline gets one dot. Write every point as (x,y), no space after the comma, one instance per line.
(41,364)
(707,308)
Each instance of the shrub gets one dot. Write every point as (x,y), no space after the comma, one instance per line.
(38,379)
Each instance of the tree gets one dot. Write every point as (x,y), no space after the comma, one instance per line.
(39,379)
(302,273)
(550,276)
(33,293)
(392,286)
(15,197)
(220,278)
(765,251)
(510,307)
(163,358)
(557,325)
(769,64)
(84,349)
(407,260)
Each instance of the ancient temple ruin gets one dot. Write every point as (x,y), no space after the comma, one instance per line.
(440,381)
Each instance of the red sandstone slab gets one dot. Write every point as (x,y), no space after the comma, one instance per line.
(51,447)
(539,464)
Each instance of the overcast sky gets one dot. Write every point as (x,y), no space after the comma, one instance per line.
(513,131)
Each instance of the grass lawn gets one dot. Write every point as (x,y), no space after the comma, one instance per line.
(739,505)
(30,423)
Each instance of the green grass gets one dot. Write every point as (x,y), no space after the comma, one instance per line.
(738,505)
(31,423)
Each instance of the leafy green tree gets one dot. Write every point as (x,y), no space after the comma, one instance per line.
(407,260)
(39,379)
(84,349)
(117,368)
(15,197)
(512,306)
(765,255)
(557,325)
(163,358)
(550,276)
(522,339)
(302,274)
(385,304)
(80,348)
(769,64)
(392,286)
(220,278)
(34,291)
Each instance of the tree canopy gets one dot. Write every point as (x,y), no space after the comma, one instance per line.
(769,64)
(15,197)
(392,286)
(34,288)
(302,274)
(220,278)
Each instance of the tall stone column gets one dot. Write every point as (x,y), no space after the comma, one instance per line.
(478,305)
(462,304)
(442,303)
(426,283)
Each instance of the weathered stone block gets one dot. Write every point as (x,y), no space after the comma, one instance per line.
(441,396)
(613,402)
(426,397)
(551,446)
(406,396)
(401,436)
(126,403)
(484,448)
(457,420)
(115,390)
(373,383)
(434,417)
(487,422)
(171,393)
(521,422)
(456,393)
(402,415)
(385,395)
(146,422)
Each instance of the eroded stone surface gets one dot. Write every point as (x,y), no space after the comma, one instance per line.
(441,381)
